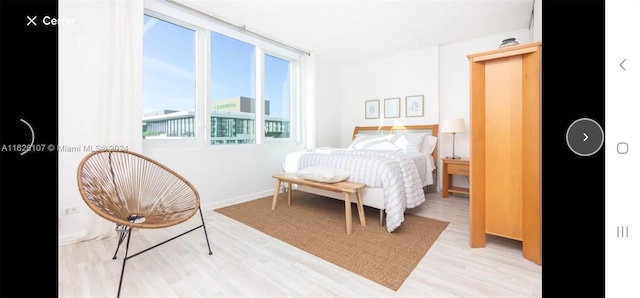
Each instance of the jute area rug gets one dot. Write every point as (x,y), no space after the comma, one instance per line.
(316,225)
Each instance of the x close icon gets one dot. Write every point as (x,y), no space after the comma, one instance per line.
(32,21)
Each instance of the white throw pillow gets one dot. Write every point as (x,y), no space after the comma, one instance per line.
(380,145)
(409,142)
(361,141)
(374,142)
(429,144)
(323,174)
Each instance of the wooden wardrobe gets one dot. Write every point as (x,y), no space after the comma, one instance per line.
(506,147)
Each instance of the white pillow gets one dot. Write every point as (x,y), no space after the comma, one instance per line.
(409,142)
(323,174)
(362,141)
(385,145)
(429,144)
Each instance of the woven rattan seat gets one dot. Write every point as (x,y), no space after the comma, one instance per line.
(134,191)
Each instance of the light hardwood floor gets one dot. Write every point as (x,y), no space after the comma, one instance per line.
(247,263)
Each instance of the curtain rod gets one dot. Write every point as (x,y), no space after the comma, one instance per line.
(240,28)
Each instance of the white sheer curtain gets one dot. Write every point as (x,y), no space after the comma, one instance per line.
(120,105)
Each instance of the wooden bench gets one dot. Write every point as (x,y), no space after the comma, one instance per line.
(347,188)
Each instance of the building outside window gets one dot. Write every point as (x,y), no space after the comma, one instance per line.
(232,122)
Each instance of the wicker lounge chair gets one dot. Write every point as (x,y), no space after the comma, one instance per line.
(134,191)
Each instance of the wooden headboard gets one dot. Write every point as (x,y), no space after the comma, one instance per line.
(433,128)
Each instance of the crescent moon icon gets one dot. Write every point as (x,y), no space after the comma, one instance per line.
(33,136)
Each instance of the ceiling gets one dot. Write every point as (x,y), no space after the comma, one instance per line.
(356,31)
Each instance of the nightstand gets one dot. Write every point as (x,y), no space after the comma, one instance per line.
(452,167)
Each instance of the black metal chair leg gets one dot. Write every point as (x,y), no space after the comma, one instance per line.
(124,261)
(123,234)
(204,227)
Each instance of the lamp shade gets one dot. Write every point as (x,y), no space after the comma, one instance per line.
(453,126)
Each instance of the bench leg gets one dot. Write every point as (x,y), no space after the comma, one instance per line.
(347,211)
(275,195)
(363,221)
(289,193)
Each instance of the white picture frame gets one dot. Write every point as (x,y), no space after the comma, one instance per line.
(414,106)
(392,107)
(372,109)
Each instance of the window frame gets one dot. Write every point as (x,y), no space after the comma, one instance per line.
(190,141)
(202,116)
(293,104)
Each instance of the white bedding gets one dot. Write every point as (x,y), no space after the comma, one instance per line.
(401,175)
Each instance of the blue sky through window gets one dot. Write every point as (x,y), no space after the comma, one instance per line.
(169,70)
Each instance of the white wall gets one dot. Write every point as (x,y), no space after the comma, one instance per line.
(328,104)
(401,75)
(224,175)
(454,90)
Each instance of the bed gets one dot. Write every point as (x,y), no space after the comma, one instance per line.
(398,164)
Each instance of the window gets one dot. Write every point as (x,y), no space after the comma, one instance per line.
(168,80)
(277,90)
(215,86)
(233,90)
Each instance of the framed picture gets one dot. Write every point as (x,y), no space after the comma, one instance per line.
(414,106)
(372,109)
(392,107)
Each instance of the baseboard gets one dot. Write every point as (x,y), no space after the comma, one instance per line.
(68,238)
(237,200)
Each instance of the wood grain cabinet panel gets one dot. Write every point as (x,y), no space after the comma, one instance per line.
(505,163)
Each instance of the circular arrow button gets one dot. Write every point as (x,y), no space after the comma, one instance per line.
(585,137)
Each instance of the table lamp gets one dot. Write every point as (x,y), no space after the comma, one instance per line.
(453,126)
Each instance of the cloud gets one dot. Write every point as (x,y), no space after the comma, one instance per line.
(219,87)
(165,67)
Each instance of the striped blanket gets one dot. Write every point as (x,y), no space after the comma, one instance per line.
(401,175)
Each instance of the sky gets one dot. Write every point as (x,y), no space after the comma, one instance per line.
(169,70)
